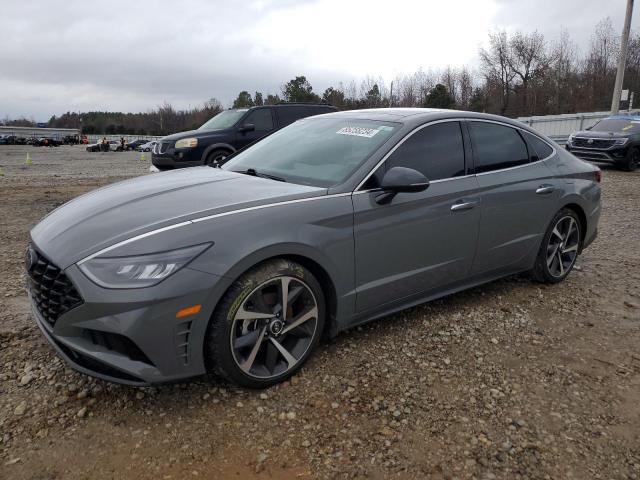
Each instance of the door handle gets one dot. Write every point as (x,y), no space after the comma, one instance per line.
(544,189)
(463,205)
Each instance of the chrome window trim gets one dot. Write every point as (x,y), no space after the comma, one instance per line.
(202,219)
(357,190)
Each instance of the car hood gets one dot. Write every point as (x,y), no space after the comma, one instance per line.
(194,133)
(601,135)
(133,207)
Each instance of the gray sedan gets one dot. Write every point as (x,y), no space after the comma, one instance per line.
(330,222)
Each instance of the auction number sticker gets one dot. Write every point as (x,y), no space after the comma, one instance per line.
(358,131)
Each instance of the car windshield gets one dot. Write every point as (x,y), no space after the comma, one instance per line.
(315,151)
(618,125)
(224,119)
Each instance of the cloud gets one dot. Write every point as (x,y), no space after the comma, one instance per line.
(70,55)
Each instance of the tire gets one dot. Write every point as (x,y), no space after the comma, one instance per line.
(248,351)
(559,248)
(632,161)
(216,158)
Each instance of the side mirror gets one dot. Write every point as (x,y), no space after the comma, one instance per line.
(247,127)
(401,179)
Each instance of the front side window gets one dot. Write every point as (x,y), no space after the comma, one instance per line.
(497,147)
(436,151)
(261,119)
(225,119)
(315,151)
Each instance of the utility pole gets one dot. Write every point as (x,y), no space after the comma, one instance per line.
(624,42)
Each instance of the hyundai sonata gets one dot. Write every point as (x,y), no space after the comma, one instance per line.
(330,222)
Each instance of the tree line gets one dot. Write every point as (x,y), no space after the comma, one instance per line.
(518,74)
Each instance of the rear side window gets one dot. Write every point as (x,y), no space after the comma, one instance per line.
(261,118)
(436,151)
(540,148)
(290,114)
(497,147)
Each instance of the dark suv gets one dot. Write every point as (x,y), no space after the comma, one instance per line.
(615,139)
(227,132)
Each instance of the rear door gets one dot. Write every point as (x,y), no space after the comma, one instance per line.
(518,196)
(419,241)
(263,124)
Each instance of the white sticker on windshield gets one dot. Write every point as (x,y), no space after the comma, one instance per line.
(358,131)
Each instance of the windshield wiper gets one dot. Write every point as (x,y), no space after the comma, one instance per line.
(253,172)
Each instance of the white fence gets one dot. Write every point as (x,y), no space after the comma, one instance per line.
(37,131)
(60,133)
(127,138)
(559,127)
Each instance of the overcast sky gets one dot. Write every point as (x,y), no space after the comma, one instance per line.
(78,55)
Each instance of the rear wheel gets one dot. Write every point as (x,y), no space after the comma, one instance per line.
(266,325)
(216,158)
(632,162)
(559,249)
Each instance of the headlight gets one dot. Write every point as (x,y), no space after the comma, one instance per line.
(620,141)
(570,139)
(138,271)
(187,143)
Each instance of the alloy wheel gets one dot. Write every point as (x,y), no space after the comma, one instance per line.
(274,327)
(562,249)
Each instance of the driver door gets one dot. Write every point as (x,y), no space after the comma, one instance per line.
(422,241)
(262,121)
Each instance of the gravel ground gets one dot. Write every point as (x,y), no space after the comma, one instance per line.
(509,380)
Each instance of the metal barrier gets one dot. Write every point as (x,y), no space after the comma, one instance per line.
(559,127)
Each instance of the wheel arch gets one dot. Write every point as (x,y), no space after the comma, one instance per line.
(306,256)
(216,146)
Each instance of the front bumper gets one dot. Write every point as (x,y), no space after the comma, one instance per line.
(611,155)
(170,161)
(133,336)
(165,156)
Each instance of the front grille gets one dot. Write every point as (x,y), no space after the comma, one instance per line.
(51,290)
(161,147)
(592,142)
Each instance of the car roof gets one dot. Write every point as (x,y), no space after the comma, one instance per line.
(417,116)
(288,105)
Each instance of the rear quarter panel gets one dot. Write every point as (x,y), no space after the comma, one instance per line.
(578,187)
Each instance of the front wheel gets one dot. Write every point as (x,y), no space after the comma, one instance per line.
(632,161)
(559,249)
(266,325)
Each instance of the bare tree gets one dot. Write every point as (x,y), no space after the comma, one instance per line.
(496,66)
(528,59)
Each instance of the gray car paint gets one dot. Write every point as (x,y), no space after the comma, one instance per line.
(376,259)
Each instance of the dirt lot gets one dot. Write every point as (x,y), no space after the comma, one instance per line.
(509,380)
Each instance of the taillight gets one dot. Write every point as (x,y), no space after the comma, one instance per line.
(598,175)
